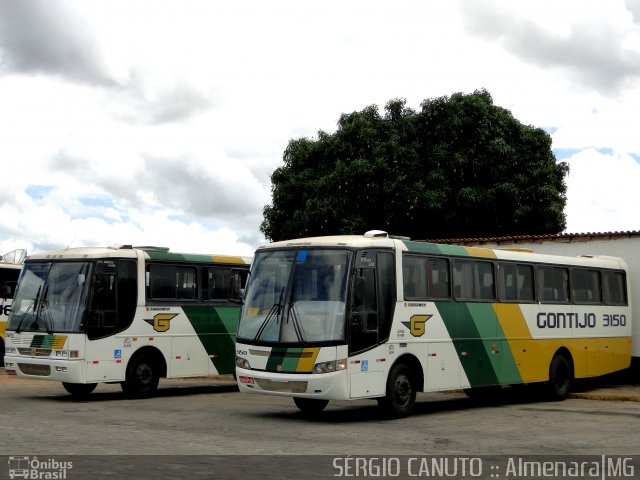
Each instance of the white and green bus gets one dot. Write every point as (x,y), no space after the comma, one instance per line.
(353,317)
(124,315)
(10,266)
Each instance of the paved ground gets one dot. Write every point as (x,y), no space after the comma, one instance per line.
(616,387)
(203,428)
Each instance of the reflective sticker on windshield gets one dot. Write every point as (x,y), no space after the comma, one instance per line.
(302,256)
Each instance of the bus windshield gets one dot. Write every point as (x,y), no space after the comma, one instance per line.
(296,297)
(51,297)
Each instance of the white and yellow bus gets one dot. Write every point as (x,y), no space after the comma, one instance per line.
(83,316)
(10,266)
(353,317)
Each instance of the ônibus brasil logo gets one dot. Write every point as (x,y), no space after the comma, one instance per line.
(34,468)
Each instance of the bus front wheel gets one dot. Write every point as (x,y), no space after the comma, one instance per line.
(401,392)
(142,377)
(79,390)
(310,405)
(560,378)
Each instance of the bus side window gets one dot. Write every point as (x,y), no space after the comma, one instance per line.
(614,288)
(162,282)
(473,280)
(515,282)
(438,272)
(553,284)
(585,285)
(8,282)
(172,282)
(5,291)
(414,276)
(219,283)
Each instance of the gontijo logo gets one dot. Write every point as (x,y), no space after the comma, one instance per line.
(161,321)
(416,324)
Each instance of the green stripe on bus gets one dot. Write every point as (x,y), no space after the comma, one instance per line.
(285,358)
(216,329)
(178,257)
(435,248)
(480,342)
(468,342)
(496,346)
(42,341)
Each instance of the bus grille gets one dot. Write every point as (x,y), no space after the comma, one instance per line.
(39,370)
(35,352)
(271,386)
(22,340)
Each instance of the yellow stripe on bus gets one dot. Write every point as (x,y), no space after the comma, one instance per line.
(307,360)
(228,259)
(480,252)
(58,342)
(591,356)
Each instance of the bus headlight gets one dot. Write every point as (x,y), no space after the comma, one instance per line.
(66,353)
(243,363)
(333,366)
(10,350)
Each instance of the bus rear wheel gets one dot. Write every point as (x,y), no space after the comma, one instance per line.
(560,378)
(79,390)
(142,377)
(310,405)
(401,393)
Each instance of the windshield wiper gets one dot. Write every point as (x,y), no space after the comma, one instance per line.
(31,307)
(292,313)
(45,313)
(273,312)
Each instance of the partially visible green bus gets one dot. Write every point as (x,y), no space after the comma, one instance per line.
(125,314)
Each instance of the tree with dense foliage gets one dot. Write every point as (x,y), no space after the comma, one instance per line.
(459,167)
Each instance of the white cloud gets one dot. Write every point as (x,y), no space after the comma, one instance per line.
(600,193)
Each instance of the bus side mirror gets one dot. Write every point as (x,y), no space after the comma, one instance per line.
(5,291)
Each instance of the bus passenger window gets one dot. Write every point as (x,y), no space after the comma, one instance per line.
(614,288)
(553,284)
(438,278)
(473,280)
(414,275)
(516,282)
(585,285)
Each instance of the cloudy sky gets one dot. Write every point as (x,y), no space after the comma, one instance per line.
(159,123)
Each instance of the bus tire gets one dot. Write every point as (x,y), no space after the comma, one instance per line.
(401,392)
(560,378)
(142,377)
(310,405)
(79,390)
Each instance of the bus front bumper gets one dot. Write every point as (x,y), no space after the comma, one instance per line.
(69,371)
(323,386)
